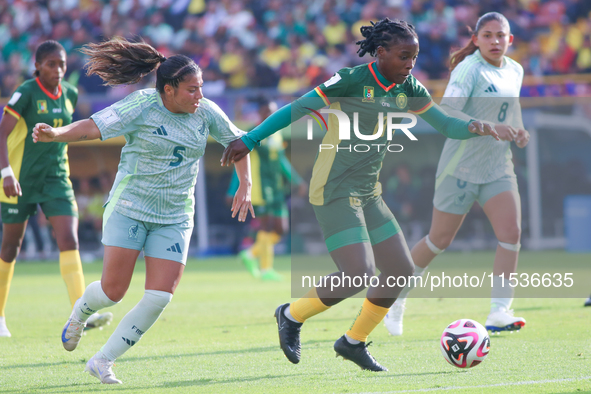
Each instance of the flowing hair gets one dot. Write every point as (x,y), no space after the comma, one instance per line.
(459,55)
(121,62)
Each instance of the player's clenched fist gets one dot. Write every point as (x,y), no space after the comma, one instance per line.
(43,133)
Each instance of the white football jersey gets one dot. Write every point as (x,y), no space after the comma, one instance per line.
(481,91)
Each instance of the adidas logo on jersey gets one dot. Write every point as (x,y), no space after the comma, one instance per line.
(175,248)
(160,131)
(491,89)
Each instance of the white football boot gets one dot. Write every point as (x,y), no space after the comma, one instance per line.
(101,368)
(393,319)
(72,332)
(3,329)
(503,320)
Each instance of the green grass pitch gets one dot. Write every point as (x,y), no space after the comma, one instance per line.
(218,335)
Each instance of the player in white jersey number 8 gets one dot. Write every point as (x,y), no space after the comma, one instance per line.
(482,77)
(151,204)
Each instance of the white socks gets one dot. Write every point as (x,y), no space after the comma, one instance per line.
(93,299)
(287,314)
(501,295)
(136,323)
(351,340)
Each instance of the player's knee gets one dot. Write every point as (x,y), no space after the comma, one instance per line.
(361,271)
(398,267)
(115,292)
(406,269)
(67,242)
(438,242)
(510,234)
(10,250)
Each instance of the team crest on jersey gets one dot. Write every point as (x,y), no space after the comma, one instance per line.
(42,107)
(401,100)
(368,94)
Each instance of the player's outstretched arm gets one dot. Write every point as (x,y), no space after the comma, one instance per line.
(483,128)
(280,119)
(457,128)
(242,203)
(81,130)
(505,132)
(234,152)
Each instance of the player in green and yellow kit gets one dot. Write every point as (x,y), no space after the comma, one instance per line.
(269,167)
(359,230)
(38,174)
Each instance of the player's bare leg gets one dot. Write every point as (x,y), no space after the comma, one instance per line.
(504,213)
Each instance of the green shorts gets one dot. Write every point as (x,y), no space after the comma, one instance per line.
(161,241)
(276,209)
(54,194)
(350,220)
(22,211)
(455,196)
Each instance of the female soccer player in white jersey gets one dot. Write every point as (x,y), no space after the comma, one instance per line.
(151,204)
(484,85)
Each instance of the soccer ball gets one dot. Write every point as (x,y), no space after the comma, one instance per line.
(465,343)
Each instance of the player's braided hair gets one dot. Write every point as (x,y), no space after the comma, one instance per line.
(121,62)
(47,47)
(382,33)
(459,55)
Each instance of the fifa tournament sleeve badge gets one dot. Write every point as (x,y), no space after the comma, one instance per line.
(368,94)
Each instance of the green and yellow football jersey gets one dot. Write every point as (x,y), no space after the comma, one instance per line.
(342,171)
(31,103)
(349,161)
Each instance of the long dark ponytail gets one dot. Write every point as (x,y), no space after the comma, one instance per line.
(459,55)
(121,62)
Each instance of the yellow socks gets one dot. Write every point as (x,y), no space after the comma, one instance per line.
(368,318)
(259,244)
(307,306)
(6,271)
(71,269)
(267,255)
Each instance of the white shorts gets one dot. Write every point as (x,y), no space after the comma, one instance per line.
(162,241)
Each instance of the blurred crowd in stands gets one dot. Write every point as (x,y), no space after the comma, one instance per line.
(287,47)
(285,44)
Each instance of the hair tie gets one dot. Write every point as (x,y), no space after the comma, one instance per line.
(163,59)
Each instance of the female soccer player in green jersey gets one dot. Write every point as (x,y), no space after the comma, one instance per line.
(151,203)
(39,174)
(359,230)
(484,84)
